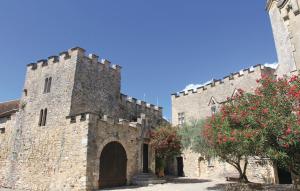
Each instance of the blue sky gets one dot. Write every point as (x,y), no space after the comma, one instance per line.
(162,45)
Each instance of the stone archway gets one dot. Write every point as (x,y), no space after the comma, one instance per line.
(113,166)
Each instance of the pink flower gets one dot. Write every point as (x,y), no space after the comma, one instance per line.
(288,131)
(293,78)
(265,111)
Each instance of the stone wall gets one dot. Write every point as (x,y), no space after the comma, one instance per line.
(196,104)
(131,109)
(196,166)
(46,158)
(6,142)
(285,22)
(103,132)
(96,87)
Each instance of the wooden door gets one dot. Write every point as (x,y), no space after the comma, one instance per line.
(113,166)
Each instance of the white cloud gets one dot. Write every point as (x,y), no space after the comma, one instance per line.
(271,65)
(195,86)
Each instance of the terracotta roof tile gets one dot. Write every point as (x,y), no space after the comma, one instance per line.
(7,108)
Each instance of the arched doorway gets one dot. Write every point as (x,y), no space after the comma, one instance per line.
(113,166)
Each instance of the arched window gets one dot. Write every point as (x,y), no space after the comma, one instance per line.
(213,105)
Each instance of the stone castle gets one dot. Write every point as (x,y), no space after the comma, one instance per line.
(200,103)
(72,129)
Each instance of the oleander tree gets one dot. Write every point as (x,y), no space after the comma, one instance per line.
(265,123)
(276,112)
(230,137)
(166,142)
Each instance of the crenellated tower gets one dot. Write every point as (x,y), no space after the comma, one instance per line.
(285,20)
(70,84)
(70,110)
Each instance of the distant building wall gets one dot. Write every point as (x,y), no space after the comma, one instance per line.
(197,105)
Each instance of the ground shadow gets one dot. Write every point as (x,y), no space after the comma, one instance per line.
(252,186)
(120,188)
(220,187)
(172,180)
(186,180)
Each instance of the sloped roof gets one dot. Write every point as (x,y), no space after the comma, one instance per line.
(7,108)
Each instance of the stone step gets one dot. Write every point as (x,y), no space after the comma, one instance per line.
(146,175)
(144,179)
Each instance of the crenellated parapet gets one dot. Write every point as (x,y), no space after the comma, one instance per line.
(86,117)
(75,53)
(225,80)
(125,99)
(285,7)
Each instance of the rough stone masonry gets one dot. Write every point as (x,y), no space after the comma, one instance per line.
(70,111)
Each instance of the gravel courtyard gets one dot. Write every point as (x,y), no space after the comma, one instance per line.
(188,184)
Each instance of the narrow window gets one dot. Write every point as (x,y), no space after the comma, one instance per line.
(2,130)
(44,117)
(213,109)
(181,119)
(210,162)
(45,85)
(49,84)
(41,117)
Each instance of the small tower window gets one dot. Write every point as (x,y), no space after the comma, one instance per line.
(210,162)
(2,130)
(213,109)
(213,106)
(47,85)
(43,117)
(181,119)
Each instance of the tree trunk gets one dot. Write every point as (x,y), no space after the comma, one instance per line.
(242,171)
(295,171)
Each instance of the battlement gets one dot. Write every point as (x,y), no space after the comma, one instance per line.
(125,99)
(89,116)
(285,7)
(224,80)
(76,53)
